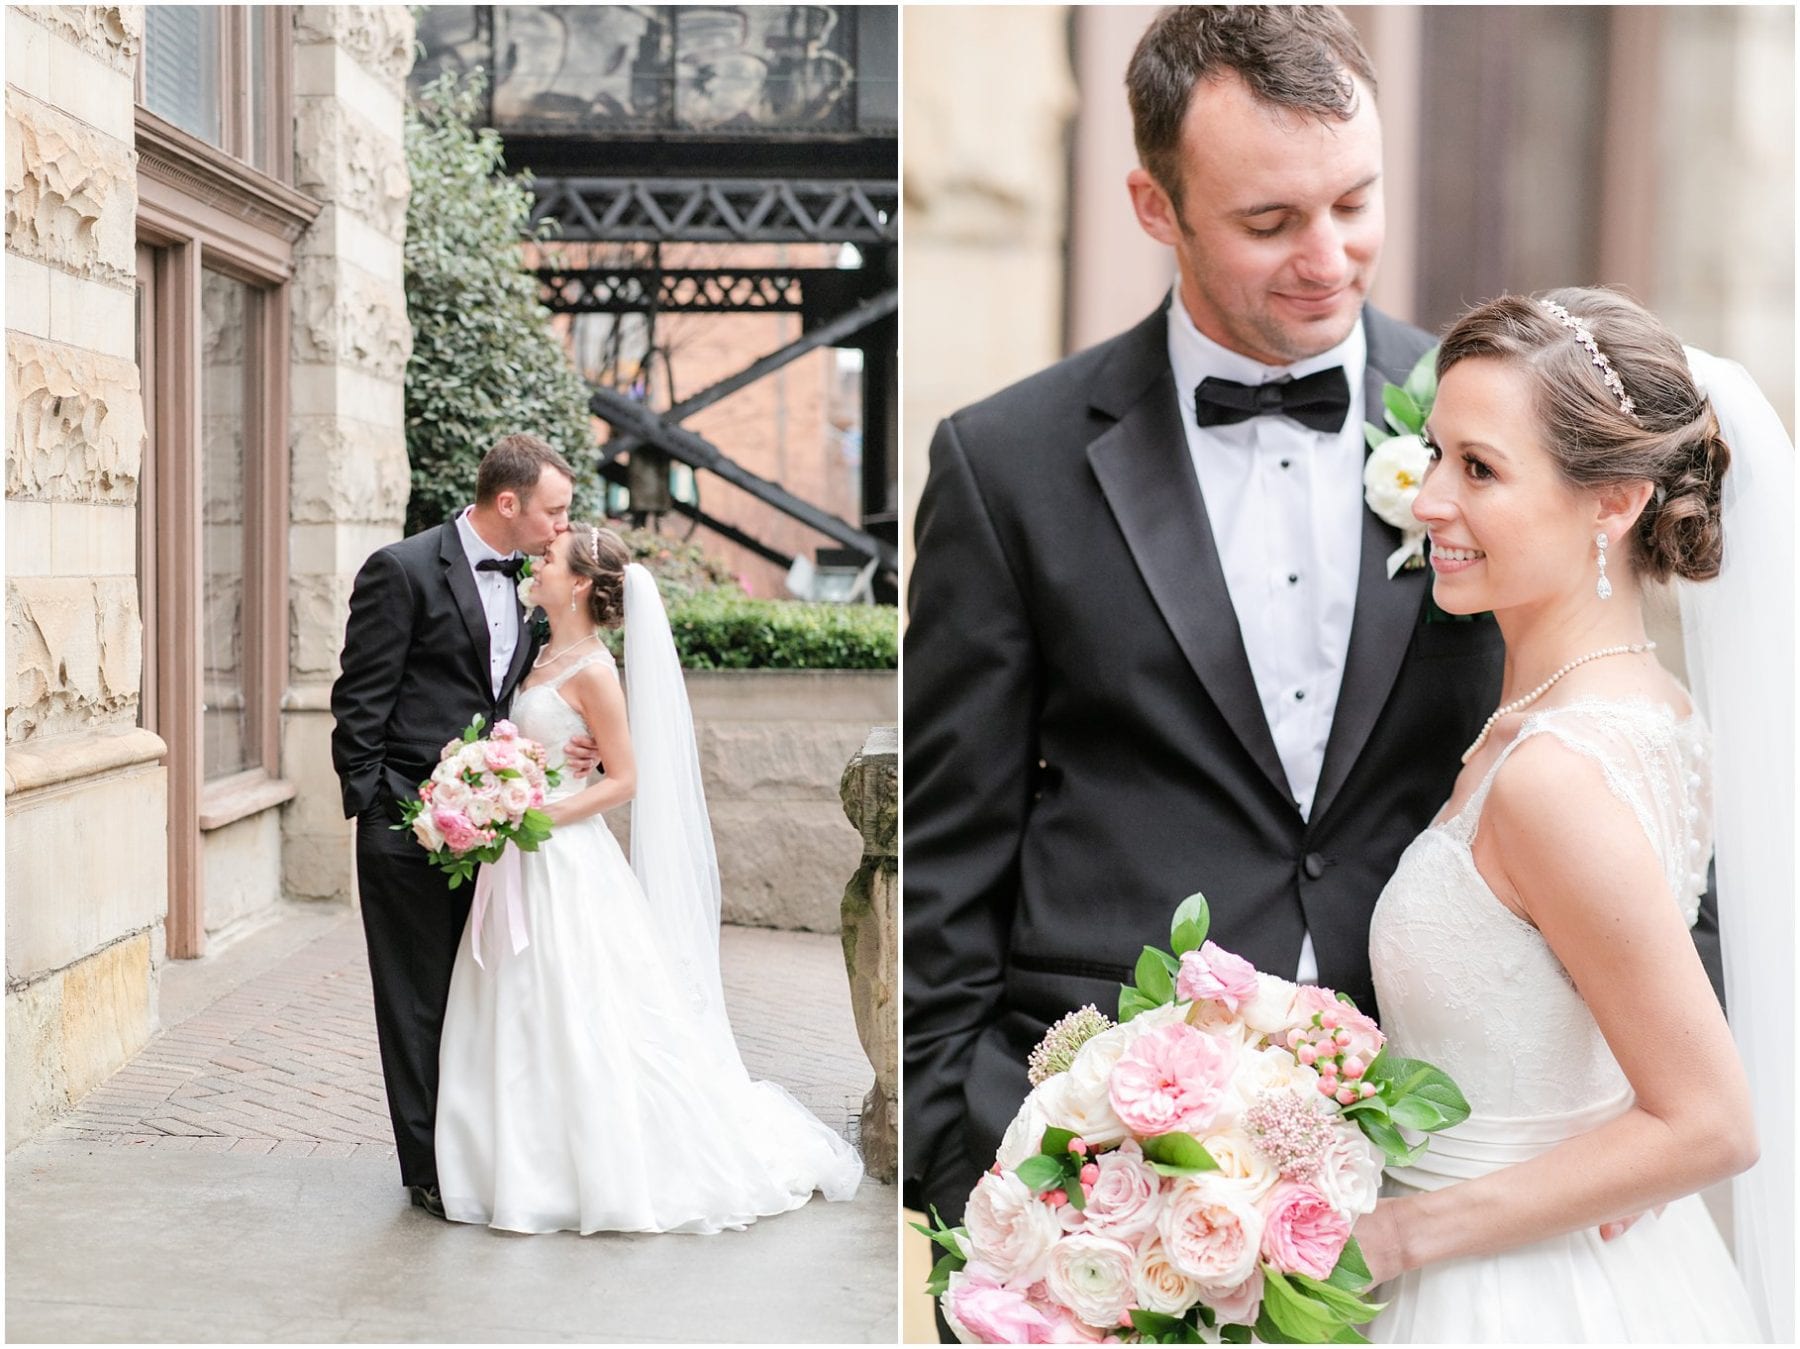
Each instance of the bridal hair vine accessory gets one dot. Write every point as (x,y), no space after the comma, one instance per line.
(1597,356)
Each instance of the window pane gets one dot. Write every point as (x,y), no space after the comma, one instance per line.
(181,67)
(259,90)
(225,423)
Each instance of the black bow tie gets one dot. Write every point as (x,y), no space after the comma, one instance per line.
(510,565)
(1320,400)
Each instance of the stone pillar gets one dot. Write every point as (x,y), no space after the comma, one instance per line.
(871,932)
(86,795)
(350,343)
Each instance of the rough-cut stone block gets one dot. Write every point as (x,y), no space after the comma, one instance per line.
(75,653)
(318,609)
(870,791)
(114,33)
(71,193)
(77,429)
(33,1023)
(776,760)
(241,863)
(783,867)
(345,470)
(379,37)
(105,877)
(344,316)
(338,157)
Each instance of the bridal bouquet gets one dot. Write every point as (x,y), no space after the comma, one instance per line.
(484,793)
(1192,1174)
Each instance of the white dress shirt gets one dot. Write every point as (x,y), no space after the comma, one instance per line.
(499,599)
(1285,503)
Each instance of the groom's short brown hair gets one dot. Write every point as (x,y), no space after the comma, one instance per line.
(514,464)
(1293,56)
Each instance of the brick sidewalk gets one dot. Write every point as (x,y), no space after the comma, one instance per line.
(286,1063)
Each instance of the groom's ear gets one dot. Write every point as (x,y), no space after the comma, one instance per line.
(507,503)
(1618,505)
(1155,212)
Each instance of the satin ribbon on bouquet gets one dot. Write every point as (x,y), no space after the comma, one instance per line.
(502,883)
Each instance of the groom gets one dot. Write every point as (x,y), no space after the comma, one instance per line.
(436,637)
(1153,647)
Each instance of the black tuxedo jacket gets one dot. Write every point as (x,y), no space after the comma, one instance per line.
(415,668)
(1085,745)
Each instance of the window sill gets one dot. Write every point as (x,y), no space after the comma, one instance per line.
(240,796)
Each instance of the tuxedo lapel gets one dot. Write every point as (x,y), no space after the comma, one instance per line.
(1386,610)
(1147,478)
(468,599)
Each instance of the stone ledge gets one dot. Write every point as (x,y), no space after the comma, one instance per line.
(57,759)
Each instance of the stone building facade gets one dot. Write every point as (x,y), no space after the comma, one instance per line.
(205,338)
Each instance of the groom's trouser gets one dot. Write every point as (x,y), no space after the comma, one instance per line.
(413,921)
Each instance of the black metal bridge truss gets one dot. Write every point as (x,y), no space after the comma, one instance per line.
(838,307)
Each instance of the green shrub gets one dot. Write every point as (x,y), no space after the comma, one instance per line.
(485,360)
(719,630)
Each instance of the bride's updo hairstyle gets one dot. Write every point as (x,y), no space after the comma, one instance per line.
(600,555)
(1667,435)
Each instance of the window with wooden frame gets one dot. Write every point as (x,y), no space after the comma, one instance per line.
(216,235)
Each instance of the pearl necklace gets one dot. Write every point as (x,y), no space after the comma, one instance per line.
(1518,704)
(591,637)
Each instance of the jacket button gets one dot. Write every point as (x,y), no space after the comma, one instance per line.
(1313,866)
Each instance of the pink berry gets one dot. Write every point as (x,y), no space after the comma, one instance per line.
(1307,1054)
(1057,1198)
(1078,1146)
(1328,1068)
(1326,1088)
(1329,1017)
(1341,1035)
(1346,1095)
(1368,1090)
(996,1168)
(1353,1067)
(1090,1173)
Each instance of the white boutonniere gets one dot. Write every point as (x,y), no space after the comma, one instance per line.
(527,584)
(1398,460)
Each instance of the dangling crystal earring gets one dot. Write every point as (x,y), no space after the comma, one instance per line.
(1603,588)
(572,598)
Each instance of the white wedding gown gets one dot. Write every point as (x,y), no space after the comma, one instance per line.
(1466,984)
(581,1087)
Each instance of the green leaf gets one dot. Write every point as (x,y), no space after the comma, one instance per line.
(1417,1112)
(1351,1270)
(1131,1002)
(1186,937)
(1402,413)
(1154,980)
(1421,382)
(1369,1105)
(1349,1335)
(1295,1312)
(939,1282)
(1041,1173)
(1415,1077)
(1386,1137)
(1056,1142)
(1235,1334)
(1193,910)
(1178,1155)
(1376,436)
(1346,1304)
(1154,1324)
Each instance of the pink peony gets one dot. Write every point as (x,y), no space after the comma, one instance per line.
(459,834)
(1216,974)
(1211,1230)
(501,755)
(1302,1233)
(1172,1079)
(505,730)
(992,1314)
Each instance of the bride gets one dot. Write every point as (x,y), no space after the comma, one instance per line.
(589,1078)
(1534,940)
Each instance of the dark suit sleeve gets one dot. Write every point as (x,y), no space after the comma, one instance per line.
(970,703)
(376,643)
(1706,936)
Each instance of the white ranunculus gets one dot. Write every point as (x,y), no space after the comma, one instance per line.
(1273,1069)
(1011,1229)
(1241,1160)
(1092,1276)
(1271,1011)
(1350,1179)
(481,810)
(1391,477)
(515,797)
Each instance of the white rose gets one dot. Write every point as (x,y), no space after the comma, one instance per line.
(1273,1069)
(1240,1160)
(1012,1230)
(1025,1135)
(1092,1277)
(481,811)
(1391,478)
(1159,1286)
(453,795)
(1215,1018)
(1350,1178)
(1211,1229)
(1073,1102)
(1271,1011)
(515,797)
(1127,1195)
(471,758)
(426,831)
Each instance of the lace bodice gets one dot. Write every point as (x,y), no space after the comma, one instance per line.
(1469,985)
(542,714)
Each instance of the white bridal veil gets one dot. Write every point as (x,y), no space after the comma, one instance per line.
(1739,635)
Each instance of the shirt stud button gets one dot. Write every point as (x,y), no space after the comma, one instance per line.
(1286,462)
(1293,578)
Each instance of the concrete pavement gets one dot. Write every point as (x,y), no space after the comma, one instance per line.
(236,1182)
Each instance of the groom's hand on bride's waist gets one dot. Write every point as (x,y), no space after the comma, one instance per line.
(1621,1226)
(581,755)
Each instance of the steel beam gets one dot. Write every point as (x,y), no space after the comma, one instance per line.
(719,210)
